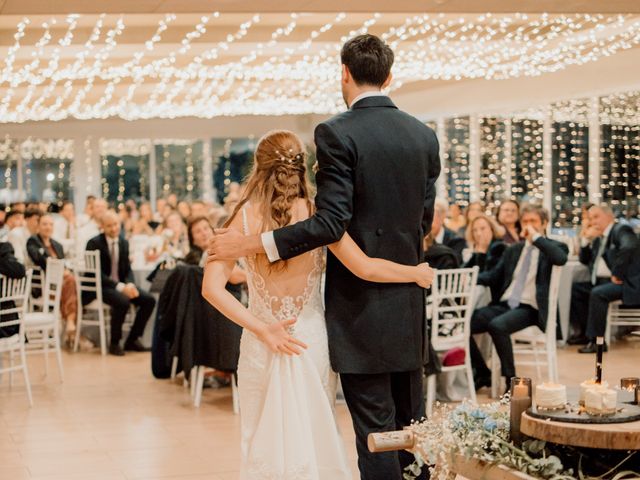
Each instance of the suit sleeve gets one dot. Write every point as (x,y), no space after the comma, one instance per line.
(9,264)
(557,252)
(494,276)
(433,171)
(628,246)
(334,201)
(585,255)
(129,273)
(107,282)
(37,257)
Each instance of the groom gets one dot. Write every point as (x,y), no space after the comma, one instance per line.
(377,169)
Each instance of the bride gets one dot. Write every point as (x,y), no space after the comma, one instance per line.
(286,385)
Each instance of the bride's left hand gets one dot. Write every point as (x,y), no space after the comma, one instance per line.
(425,275)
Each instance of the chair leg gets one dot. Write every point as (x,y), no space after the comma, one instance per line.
(76,340)
(235,394)
(607,331)
(25,372)
(431,394)
(174,367)
(46,340)
(192,380)
(58,350)
(11,364)
(199,386)
(103,333)
(495,374)
(472,388)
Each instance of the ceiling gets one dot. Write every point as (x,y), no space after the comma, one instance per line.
(169,65)
(49,7)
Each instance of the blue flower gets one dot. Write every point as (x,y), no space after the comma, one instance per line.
(478,414)
(489,424)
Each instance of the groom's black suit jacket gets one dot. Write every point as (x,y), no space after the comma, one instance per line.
(377,170)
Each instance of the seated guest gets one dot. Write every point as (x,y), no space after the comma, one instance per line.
(473,210)
(85,217)
(92,227)
(9,267)
(18,237)
(118,288)
(200,234)
(14,219)
(42,246)
(612,253)
(442,234)
(439,256)
(521,278)
(145,224)
(507,214)
(64,227)
(455,220)
(484,236)
(126,222)
(184,209)
(174,232)
(583,228)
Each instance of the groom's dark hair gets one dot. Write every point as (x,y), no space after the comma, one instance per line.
(368,59)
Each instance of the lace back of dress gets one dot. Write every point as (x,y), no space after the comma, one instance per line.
(277,294)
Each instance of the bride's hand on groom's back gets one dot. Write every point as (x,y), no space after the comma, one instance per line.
(277,337)
(425,275)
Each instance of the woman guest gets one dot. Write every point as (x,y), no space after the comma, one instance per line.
(40,247)
(174,232)
(473,210)
(484,236)
(144,225)
(508,215)
(455,221)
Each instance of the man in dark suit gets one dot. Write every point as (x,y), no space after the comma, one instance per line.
(612,253)
(444,236)
(522,278)
(9,267)
(377,170)
(118,289)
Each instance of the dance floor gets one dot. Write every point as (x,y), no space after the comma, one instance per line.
(111,420)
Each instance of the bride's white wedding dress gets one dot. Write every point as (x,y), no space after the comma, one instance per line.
(288,428)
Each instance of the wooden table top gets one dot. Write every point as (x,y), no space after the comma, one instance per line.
(612,436)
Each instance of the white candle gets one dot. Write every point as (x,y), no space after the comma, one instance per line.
(520,390)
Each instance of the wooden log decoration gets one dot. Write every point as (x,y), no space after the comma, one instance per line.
(390,441)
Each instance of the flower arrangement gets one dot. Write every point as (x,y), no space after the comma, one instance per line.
(481,432)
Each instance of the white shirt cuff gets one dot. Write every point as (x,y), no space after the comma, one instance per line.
(269,245)
(120,286)
(584,242)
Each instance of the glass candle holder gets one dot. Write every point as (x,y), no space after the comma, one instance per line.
(637,395)
(521,387)
(520,402)
(629,383)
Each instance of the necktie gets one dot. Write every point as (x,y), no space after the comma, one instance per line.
(601,244)
(114,263)
(521,278)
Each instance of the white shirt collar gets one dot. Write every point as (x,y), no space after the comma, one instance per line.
(366,95)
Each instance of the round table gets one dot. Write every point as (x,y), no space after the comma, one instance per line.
(612,436)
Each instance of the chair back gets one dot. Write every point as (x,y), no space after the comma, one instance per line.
(14,300)
(88,275)
(52,290)
(452,295)
(37,278)
(552,313)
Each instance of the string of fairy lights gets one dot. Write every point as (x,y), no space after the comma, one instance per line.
(57,75)
(510,160)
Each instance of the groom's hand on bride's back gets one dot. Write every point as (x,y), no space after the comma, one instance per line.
(426,275)
(228,244)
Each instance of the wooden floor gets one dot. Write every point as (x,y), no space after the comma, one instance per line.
(112,420)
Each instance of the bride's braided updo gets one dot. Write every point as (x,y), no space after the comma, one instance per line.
(278,178)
